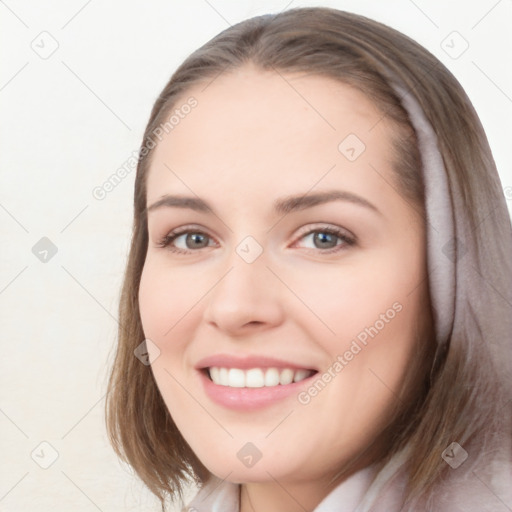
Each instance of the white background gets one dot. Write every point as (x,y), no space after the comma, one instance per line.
(68,122)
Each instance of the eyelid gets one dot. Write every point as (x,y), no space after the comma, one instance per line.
(318,226)
(347,238)
(182,230)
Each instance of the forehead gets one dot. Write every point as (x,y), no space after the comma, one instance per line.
(267,129)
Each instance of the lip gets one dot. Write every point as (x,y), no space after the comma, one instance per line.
(248,362)
(248,399)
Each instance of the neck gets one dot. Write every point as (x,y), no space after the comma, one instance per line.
(296,496)
(275,496)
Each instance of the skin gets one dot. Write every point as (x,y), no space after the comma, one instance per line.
(253,138)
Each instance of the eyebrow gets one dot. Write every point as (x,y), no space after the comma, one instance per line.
(281,206)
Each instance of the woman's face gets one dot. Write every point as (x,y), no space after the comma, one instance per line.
(307,265)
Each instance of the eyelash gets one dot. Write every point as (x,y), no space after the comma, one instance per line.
(165,241)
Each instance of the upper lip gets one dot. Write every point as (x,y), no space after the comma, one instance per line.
(245,363)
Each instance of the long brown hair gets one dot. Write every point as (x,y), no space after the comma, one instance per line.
(455,403)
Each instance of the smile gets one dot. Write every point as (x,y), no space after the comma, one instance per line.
(251,382)
(256,377)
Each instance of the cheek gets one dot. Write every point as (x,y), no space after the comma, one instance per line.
(372,311)
(168,316)
(166,301)
(353,297)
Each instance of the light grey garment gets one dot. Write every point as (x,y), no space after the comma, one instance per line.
(439,218)
(469,488)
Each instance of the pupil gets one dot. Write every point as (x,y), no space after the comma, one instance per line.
(195,237)
(324,237)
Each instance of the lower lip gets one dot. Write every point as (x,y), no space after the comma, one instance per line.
(250,398)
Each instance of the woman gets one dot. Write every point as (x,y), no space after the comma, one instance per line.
(318,285)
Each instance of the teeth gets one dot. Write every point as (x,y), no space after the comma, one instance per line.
(300,375)
(215,374)
(256,377)
(223,376)
(286,377)
(236,378)
(272,377)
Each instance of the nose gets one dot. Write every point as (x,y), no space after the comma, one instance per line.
(247,297)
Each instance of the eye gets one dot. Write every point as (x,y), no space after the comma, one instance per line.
(188,239)
(328,239)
